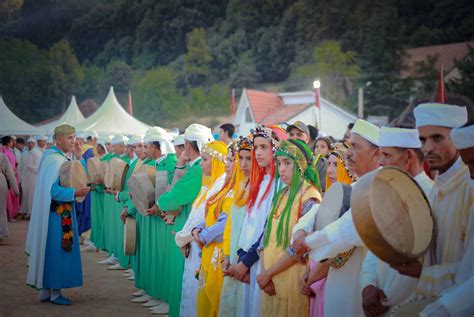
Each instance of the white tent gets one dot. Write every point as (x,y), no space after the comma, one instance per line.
(11,124)
(112,118)
(72,116)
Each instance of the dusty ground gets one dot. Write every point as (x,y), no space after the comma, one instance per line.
(105,293)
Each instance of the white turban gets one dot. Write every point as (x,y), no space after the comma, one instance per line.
(199,133)
(31,139)
(91,134)
(41,137)
(463,138)
(367,130)
(119,139)
(135,139)
(81,135)
(402,138)
(157,134)
(439,114)
(179,140)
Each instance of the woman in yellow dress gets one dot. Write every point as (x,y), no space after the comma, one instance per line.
(281,270)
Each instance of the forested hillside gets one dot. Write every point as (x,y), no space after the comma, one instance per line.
(182,57)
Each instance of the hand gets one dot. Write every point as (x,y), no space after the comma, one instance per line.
(263,279)
(152,210)
(124,214)
(183,159)
(185,250)
(240,271)
(246,278)
(195,234)
(412,268)
(98,180)
(299,243)
(270,289)
(225,266)
(114,191)
(77,150)
(81,192)
(305,286)
(372,298)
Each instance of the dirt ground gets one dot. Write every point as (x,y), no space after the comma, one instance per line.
(104,293)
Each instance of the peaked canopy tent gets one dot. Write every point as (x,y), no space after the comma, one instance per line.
(73,116)
(11,124)
(111,118)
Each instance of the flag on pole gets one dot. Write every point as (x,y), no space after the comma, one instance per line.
(232,102)
(129,103)
(442,95)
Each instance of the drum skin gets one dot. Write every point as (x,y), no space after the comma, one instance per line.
(72,174)
(129,236)
(392,215)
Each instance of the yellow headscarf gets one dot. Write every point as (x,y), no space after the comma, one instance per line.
(343,175)
(217,150)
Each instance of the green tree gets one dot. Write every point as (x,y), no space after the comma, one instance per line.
(119,74)
(335,68)
(198,57)
(66,73)
(244,73)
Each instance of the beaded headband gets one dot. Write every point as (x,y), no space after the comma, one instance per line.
(206,148)
(266,133)
(244,143)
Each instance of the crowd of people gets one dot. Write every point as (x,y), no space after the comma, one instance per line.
(234,233)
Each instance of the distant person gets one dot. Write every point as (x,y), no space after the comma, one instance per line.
(347,134)
(18,146)
(13,201)
(300,131)
(7,180)
(323,146)
(226,132)
(313,135)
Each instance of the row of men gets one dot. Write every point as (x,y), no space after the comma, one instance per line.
(222,239)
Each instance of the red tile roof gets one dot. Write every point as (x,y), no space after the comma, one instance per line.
(263,103)
(284,114)
(448,54)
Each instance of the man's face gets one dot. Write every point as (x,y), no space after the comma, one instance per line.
(140,150)
(41,144)
(263,152)
(467,156)
(347,135)
(31,145)
(179,150)
(297,134)
(437,146)
(129,151)
(153,152)
(119,149)
(391,156)
(20,146)
(109,147)
(65,142)
(361,155)
(222,135)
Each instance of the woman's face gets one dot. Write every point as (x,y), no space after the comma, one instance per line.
(285,169)
(245,161)
(229,166)
(263,152)
(206,164)
(332,168)
(322,147)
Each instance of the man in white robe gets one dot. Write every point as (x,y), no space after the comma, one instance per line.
(382,286)
(457,300)
(451,199)
(30,144)
(31,165)
(342,294)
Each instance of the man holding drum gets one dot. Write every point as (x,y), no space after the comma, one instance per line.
(52,246)
(381,285)
(341,235)
(451,199)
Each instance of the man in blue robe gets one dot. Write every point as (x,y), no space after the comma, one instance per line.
(52,246)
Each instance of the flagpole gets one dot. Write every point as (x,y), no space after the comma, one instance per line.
(317,101)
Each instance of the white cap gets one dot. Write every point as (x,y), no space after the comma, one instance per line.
(31,139)
(80,135)
(367,130)
(50,140)
(397,137)
(463,138)
(179,140)
(119,139)
(41,137)
(439,114)
(199,133)
(135,139)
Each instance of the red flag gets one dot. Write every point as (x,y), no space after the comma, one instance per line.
(232,102)
(129,103)
(442,95)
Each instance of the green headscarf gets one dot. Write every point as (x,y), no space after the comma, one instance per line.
(299,152)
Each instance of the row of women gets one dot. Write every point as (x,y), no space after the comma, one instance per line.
(218,241)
